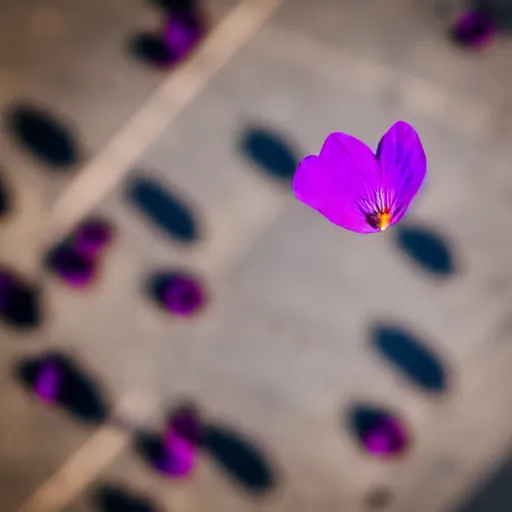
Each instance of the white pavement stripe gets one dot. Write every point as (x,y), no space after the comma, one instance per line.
(109,167)
(83,466)
(105,171)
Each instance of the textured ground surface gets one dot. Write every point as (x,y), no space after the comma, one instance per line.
(288,344)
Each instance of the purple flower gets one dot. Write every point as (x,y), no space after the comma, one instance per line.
(92,237)
(186,424)
(48,381)
(474,29)
(178,457)
(182,33)
(183,295)
(76,269)
(358,190)
(385,437)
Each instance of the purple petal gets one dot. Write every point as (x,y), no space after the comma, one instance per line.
(178,458)
(91,237)
(78,270)
(47,382)
(182,33)
(186,424)
(183,296)
(475,29)
(340,182)
(403,166)
(386,437)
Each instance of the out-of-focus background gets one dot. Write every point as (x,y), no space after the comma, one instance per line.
(305,327)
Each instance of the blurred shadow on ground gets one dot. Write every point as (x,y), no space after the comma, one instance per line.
(151,50)
(378,499)
(43,135)
(174,6)
(20,302)
(494,494)
(410,357)
(270,152)
(243,461)
(77,394)
(5,199)
(426,248)
(165,211)
(115,499)
(500,11)
(150,447)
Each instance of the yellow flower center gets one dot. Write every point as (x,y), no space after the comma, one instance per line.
(383,220)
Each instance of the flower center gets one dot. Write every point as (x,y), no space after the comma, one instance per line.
(383,220)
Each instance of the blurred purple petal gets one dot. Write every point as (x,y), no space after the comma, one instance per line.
(475,29)
(48,381)
(183,295)
(338,182)
(178,458)
(386,437)
(76,269)
(403,166)
(187,425)
(182,33)
(91,237)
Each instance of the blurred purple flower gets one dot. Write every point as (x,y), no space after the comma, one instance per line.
(48,381)
(178,457)
(183,31)
(186,424)
(183,295)
(385,437)
(474,29)
(358,190)
(91,237)
(75,268)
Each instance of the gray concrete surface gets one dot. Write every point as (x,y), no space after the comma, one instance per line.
(284,347)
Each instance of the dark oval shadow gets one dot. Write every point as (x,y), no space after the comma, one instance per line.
(152,50)
(165,211)
(150,447)
(115,499)
(43,135)
(78,394)
(410,357)
(270,152)
(426,249)
(20,302)
(362,418)
(177,6)
(5,199)
(499,11)
(245,463)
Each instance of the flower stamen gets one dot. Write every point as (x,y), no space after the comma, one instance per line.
(383,220)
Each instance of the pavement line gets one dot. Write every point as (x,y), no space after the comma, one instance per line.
(111,164)
(82,467)
(103,173)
